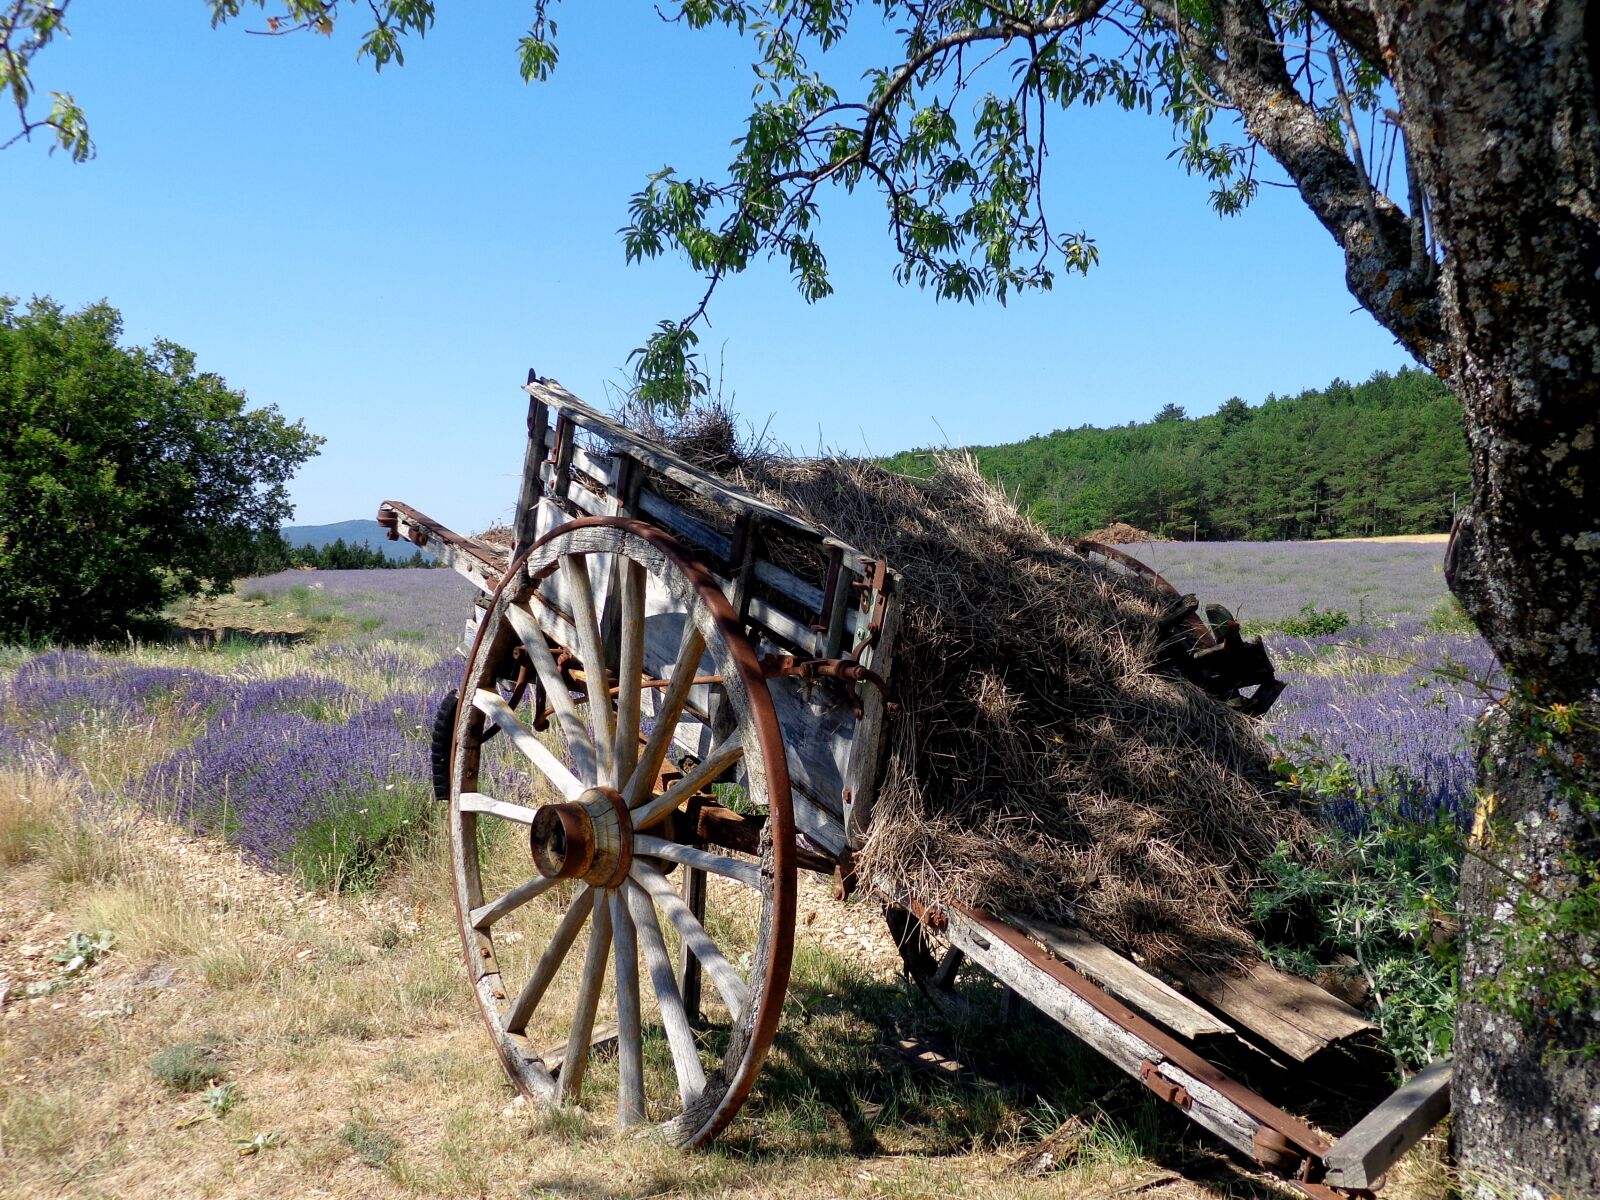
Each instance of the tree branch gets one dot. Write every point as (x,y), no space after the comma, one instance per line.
(1374,233)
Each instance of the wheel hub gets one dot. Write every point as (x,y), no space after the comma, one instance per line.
(590,838)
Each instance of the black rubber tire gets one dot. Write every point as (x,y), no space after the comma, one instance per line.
(444,724)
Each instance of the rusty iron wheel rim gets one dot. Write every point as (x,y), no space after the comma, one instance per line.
(729,1076)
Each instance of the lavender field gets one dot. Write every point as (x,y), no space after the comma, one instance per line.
(293,749)
(307,749)
(1393,695)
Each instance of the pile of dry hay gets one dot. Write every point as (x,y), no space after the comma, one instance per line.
(1040,762)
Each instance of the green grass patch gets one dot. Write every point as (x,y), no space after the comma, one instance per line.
(352,847)
(187,1066)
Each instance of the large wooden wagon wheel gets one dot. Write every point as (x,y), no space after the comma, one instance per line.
(600,849)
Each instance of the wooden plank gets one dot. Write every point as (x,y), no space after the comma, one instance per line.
(1125,1050)
(664,462)
(532,472)
(473,560)
(864,764)
(1290,1013)
(1379,1139)
(672,518)
(1123,979)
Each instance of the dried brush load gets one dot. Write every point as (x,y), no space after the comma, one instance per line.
(1043,760)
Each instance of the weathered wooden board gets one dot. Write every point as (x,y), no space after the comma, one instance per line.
(1135,987)
(1290,1013)
(1378,1141)
(1207,1107)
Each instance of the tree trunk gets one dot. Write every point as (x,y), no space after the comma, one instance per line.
(1500,114)
(1527,1104)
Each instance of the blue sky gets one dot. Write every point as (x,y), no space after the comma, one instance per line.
(384,256)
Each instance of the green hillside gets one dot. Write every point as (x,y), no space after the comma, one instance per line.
(1382,457)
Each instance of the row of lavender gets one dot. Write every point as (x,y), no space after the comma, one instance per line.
(330,742)
(312,758)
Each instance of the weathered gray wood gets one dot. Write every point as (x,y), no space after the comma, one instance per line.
(735,994)
(1379,1139)
(486,915)
(532,483)
(630,1035)
(669,1001)
(466,564)
(724,755)
(477,802)
(569,1087)
(747,873)
(550,960)
(1127,1051)
(664,462)
(691,647)
(864,764)
(603,1038)
(535,751)
(602,718)
(690,977)
(573,726)
(630,668)
(1123,979)
(1290,1013)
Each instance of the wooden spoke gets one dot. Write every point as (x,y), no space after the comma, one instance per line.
(549,962)
(668,628)
(729,982)
(602,720)
(477,802)
(573,727)
(723,755)
(674,1020)
(535,751)
(630,668)
(630,1036)
(486,915)
(747,873)
(690,650)
(575,1062)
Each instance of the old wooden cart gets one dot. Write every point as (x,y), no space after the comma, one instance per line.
(647,615)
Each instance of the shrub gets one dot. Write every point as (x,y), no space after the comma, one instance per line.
(1315,622)
(1449,617)
(187,1066)
(129,477)
(1376,901)
(350,847)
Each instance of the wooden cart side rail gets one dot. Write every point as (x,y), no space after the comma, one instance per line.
(482,564)
(561,402)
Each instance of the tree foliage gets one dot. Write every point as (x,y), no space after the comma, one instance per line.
(1383,457)
(129,477)
(273,553)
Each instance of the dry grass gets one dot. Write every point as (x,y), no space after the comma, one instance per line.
(345,1027)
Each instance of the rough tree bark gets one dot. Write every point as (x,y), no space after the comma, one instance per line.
(1500,110)
(1498,102)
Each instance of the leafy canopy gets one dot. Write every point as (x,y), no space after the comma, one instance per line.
(951,131)
(129,478)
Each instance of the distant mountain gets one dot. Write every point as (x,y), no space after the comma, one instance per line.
(354,533)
